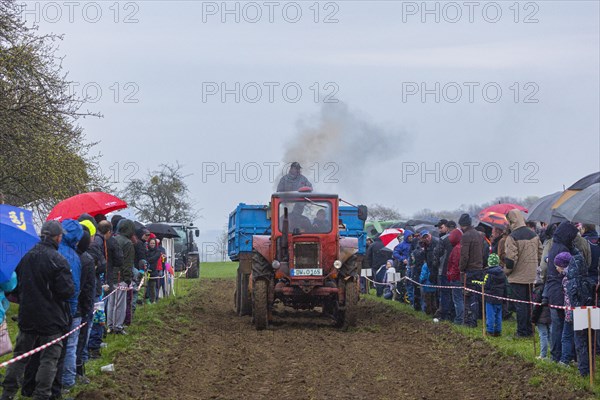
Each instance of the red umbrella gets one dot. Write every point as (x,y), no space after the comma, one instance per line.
(502,208)
(493,218)
(91,203)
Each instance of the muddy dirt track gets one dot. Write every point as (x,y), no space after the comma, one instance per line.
(390,355)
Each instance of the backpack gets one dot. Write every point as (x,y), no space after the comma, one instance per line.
(581,288)
(582,292)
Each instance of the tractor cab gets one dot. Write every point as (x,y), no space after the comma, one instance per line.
(305,239)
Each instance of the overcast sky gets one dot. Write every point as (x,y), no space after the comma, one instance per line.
(487,89)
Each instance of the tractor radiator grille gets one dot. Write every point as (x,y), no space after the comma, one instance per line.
(306,255)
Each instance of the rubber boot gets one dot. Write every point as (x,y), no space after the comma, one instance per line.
(81,378)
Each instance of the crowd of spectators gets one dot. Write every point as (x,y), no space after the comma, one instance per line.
(82,274)
(526,269)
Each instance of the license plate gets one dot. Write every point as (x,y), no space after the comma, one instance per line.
(307,272)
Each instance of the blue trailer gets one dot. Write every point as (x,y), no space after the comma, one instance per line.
(248,220)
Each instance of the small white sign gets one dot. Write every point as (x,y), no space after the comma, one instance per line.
(580,318)
(366,272)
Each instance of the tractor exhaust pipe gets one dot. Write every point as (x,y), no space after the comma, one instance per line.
(284,239)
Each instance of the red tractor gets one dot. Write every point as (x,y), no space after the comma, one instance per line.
(310,256)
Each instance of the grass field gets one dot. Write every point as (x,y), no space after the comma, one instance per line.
(218,270)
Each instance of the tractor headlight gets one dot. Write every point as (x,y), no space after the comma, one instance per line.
(337,264)
(276,264)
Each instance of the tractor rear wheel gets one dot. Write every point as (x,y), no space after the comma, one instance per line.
(260,306)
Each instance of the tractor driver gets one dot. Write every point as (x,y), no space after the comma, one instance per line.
(320,224)
(298,221)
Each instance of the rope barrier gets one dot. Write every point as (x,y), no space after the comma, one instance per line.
(470,290)
(42,347)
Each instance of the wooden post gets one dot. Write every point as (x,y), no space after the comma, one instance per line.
(595,333)
(589,313)
(464,297)
(483,319)
(532,324)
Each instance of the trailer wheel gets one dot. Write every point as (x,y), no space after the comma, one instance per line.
(236,294)
(260,304)
(244,296)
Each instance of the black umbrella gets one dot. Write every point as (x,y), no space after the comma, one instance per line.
(427,227)
(583,207)
(162,230)
(413,222)
(585,182)
(138,225)
(542,210)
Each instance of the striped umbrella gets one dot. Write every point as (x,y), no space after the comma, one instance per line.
(389,237)
(503,208)
(493,218)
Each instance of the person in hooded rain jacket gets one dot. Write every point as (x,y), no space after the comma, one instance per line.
(523,255)
(562,241)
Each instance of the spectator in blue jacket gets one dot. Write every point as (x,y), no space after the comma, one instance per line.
(401,255)
(428,291)
(68,249)
(6,287)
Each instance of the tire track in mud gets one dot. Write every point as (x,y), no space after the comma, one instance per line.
(389,355)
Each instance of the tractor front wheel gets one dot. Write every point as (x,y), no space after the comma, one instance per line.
(347,315)
(260,304)
(351,304)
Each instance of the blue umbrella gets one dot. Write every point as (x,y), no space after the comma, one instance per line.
(17,237)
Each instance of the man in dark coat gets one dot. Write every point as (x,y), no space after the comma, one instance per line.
(377,254)
(45,283)
(562,241)
(442,254)
(294,180)
(471,267)
(429,245)
(141,245)
(121,277)
(86,301)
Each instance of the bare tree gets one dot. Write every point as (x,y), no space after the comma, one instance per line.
(222,241)
(162,196)
(378,212)
(44,156)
